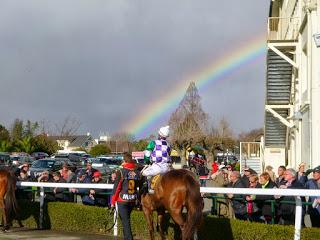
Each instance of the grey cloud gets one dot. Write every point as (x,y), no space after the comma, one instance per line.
(103,60)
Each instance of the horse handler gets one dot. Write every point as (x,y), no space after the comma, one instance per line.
(125,192)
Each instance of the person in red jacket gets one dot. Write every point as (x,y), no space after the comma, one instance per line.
(215,167)
(125,192)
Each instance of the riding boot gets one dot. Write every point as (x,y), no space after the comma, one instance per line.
(150,190)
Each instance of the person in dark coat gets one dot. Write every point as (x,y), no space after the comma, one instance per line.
(89,172)
(59,194)
(238,200)
(99,199)
(125,192)
(20,192)
(280,179)
(301,175)
(314,208)
(286,210)
(55,193)
(247,172)
(95,197)
(266,211)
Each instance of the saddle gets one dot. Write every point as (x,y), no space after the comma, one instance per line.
(154,181)
(151,183)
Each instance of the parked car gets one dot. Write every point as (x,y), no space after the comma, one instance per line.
(48,164)
(111,162)
(19,160)
(101,165)
(4,158)
(60,155)
(39,155)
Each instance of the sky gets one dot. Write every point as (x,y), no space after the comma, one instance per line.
(102,61)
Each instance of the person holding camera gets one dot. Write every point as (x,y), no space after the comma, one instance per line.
(125,192)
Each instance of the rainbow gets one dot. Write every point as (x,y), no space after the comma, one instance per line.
(251,52)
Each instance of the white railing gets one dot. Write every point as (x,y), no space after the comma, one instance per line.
(283,28)
(297,193)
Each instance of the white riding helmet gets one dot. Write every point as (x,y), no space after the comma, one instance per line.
(164,132)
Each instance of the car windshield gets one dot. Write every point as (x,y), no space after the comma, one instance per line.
(42,164)
(61,156)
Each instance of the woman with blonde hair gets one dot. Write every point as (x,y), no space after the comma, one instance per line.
(271,173)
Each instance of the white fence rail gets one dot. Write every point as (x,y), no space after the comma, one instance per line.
(297,193)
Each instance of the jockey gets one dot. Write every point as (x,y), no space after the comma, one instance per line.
(158,153)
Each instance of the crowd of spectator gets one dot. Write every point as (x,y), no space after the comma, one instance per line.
(258,208)
(94,197)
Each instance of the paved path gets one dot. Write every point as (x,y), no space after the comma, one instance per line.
(24,233)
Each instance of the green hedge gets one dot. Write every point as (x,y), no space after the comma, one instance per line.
(79,218)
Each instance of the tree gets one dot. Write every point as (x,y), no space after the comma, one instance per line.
(30,129)
(100,149)
(17,130)
(251,136)
(5,146)
(25,145)
(121,142)
(224,128)
(219,138)
(122,137)
(42,143)
(188,122)
(140,145)
(4,134)
(68,127)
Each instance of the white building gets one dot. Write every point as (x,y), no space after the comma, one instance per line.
(292,116)
(72,143)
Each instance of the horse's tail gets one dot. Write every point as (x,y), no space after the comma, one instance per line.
(194,204)
(11,201)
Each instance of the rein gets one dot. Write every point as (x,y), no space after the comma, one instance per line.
(115,213)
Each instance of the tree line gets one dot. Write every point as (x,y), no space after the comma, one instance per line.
(25,137)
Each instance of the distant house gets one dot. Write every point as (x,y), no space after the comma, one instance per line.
(71,143)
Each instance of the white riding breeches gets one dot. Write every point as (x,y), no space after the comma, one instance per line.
(155,169)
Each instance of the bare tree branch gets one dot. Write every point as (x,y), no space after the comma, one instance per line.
(68,127)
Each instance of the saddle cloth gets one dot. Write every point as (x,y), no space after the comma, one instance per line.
(154,181)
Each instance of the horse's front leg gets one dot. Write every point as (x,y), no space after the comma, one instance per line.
(4,215)
(148,215)
(160,216)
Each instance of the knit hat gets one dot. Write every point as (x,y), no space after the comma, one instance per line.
(317,169)
(97,174)
(164,131)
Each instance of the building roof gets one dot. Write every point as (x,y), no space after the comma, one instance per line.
(75,141)
(80,140)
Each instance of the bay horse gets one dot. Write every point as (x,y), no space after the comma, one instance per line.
(175,190)
(8,202)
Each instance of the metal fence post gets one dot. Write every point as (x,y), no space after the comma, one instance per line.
(297,225)
(273,211)
(41,200)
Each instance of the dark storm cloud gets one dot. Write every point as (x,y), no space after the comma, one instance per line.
(101,61)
